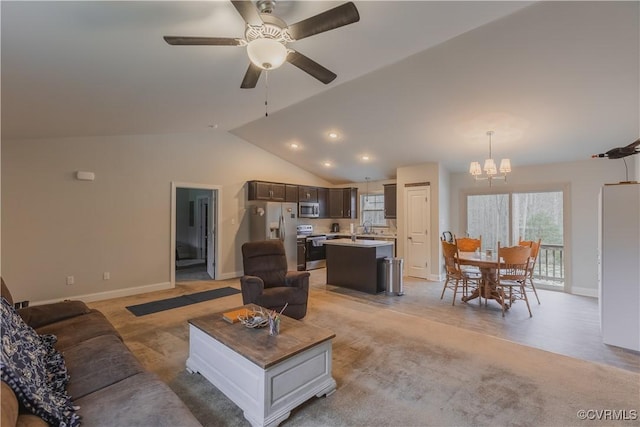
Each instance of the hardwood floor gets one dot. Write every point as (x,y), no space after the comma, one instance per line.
(562,323)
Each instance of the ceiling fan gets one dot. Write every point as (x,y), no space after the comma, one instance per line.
(266,37)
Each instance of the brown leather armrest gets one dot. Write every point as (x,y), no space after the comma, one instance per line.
(41,315)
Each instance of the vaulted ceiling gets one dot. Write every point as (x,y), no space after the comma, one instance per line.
(417,81)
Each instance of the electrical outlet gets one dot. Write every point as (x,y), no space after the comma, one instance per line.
(106,275)
(70,280)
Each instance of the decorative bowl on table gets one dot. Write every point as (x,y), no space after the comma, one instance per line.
(254,319)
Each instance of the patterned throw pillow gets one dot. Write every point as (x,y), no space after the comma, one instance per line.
(35,371)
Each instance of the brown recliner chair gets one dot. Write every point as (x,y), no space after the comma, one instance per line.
(267,282)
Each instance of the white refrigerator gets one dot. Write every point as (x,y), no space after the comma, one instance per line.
(275,220)
(620,266)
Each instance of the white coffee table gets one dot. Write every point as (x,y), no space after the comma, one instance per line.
(266,376)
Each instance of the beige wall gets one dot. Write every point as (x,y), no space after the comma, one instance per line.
(54,226)
(582,182)
(427,172)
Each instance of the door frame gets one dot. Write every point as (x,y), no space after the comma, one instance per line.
(215,225)
(429,233)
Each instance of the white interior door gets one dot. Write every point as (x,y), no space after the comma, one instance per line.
(417,248)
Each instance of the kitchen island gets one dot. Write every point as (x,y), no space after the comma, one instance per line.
(357,264)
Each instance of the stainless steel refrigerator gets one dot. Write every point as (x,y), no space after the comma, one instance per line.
(275,220)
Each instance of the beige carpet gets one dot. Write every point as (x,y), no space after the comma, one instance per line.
(394,369)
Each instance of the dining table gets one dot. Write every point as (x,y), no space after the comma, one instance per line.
(487,263)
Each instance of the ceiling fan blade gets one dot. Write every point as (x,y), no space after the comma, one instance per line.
(248,11)
(201,41)
(325,21)
(311,67)
(251,77)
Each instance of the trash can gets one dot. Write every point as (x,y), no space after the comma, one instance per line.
(393,276)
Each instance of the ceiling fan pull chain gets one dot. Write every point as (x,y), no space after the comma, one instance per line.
(266,93)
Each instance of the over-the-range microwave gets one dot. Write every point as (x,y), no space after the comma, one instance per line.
(308,210)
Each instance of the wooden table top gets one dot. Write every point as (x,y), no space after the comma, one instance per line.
(478,259)
(256,344)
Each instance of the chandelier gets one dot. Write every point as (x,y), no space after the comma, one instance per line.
(490,170)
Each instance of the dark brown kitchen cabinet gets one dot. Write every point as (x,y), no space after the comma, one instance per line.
(390,201)
(323,202)
(336,201)
(350,202)
(307,194)
(291,193)
(343,203)
(270,191)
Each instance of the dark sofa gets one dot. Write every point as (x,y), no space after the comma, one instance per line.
(106,381)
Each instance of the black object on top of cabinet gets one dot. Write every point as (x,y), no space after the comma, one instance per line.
(390,201)
(307,194)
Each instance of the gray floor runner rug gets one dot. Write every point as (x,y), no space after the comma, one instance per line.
(181,301)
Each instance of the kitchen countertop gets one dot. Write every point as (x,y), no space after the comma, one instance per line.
(371,236)
(358,243)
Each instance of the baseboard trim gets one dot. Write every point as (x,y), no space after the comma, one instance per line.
(232,275)
(116,293)
(585,292)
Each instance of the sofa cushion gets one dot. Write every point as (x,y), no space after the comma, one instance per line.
(37,316)
(73,331)
(141,400)
(97,363)
(28,363)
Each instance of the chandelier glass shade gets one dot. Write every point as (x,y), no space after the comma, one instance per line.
(490,170)
(267,53)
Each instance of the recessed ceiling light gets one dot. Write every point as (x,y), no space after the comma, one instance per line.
(333,135)
(365,157)
(326,164)
(294,146)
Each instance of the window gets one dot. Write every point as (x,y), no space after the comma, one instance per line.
(510,217)
(373,209)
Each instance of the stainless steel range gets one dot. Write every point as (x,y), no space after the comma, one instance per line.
(314,250)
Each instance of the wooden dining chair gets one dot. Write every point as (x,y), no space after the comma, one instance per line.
(468,244)
(512,267)
(454,273)
(535,249)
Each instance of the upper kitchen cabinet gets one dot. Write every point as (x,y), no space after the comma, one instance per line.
(343,203)
(307,194)
(291,193)
(335,203)
(269,191)
(350,202)
(390,201)
(323,202)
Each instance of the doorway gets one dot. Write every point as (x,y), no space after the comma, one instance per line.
(194,237)
(418,246)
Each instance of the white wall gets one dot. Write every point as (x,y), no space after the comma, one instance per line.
(55,226)
(582,182)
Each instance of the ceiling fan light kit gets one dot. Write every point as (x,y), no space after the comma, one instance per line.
(267,54)
(266,37)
